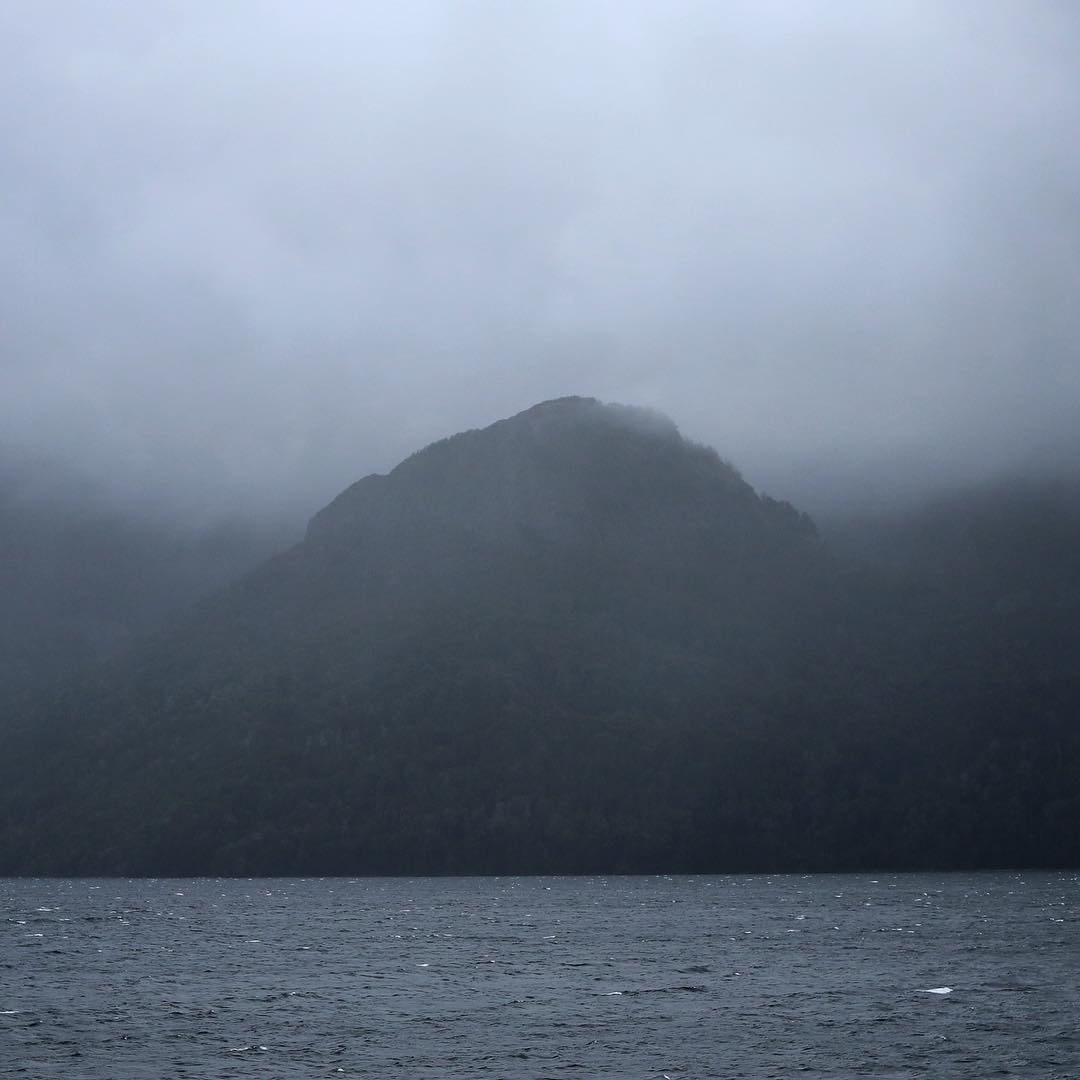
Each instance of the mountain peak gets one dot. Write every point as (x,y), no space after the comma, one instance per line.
(558,461)
(575,410)
(558,418)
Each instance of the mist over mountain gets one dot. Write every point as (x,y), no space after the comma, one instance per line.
(82,575)
(837,240)
(576,641)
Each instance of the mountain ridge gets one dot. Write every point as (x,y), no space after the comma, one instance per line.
(571,641)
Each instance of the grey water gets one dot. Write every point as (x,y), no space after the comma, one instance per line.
(954,975)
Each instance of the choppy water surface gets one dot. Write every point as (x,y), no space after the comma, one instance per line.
(532,977)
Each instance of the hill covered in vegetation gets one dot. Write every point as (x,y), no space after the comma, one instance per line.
(575,641)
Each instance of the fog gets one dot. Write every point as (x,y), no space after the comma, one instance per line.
(252,251)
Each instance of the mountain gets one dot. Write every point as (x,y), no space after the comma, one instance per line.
(571,641)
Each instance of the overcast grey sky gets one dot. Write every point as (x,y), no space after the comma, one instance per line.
(253,250)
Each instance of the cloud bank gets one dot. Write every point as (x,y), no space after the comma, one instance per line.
(252,251)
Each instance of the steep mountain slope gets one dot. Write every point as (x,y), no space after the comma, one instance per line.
(570,641)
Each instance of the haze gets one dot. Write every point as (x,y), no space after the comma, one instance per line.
(252,251)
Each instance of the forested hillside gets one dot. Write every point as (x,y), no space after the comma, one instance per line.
(574,641)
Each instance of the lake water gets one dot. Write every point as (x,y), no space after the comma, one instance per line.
(543,977)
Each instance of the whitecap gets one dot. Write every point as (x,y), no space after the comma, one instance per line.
(938,990)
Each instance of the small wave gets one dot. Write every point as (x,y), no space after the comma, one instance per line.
(285,995)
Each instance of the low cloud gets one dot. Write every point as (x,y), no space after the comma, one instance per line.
(249,252)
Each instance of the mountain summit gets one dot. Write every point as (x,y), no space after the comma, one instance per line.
(556,470)
(570,641)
